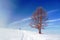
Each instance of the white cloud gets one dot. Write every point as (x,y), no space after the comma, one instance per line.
(47,12)
(52,11)
(54,20)
(16,22)
(48,20)
(26,19)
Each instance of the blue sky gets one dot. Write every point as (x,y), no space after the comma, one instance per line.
(25,8)
(18,10)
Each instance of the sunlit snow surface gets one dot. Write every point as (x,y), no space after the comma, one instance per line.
(10,34)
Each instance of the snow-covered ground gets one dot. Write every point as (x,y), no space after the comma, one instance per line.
(10,34)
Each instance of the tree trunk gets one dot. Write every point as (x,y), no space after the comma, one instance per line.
(39,31)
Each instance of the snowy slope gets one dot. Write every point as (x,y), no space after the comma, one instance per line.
(10,34)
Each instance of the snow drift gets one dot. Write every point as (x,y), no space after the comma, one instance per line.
(10,34)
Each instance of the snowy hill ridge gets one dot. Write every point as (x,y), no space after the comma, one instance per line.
(10,34)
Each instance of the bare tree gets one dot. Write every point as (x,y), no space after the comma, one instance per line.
(39,19)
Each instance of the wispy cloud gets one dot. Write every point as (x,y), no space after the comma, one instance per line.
(48,20)
(25,19)
(52,11)
(54,20)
